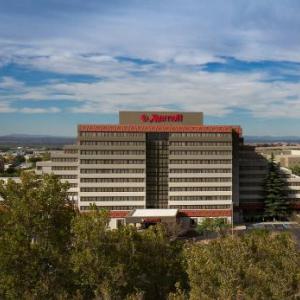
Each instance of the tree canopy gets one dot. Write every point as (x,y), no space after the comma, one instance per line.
(35,228)
(296,170)
(258,265)
(48,250)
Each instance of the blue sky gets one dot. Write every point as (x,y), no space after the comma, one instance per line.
(69,62)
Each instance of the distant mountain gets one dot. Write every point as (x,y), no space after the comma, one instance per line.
(272,139)
(27,140)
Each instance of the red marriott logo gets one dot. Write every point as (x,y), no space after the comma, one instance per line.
(161,118)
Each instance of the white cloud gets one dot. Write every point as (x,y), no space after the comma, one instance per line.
(37,110)
(10,83)
(187,32)
(6,108)
(183,88)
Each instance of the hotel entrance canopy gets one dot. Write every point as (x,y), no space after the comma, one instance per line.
(152,216)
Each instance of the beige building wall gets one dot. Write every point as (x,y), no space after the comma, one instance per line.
(112,170)
(200,171)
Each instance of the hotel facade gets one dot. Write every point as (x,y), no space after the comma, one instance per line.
(153,164)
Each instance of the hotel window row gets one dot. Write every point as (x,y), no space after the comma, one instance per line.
(213,179)
(200,143)
(112,134)
(112,152)
(67,176)
(112,161)
(198,134)
(111,189)
(200,171)
(111,171)
(199,152)
(200,161)
(64,159)
(112,143)
(111,180)
(192,188)
(222,206)
(115,198)
(199,198)
(112,207)
(66,168)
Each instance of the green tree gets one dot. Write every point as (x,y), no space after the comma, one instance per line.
(92,252)
(34,160)
(124,263)
(18,159)
(215,225)
(277,205)
(161,264)
(46,156)
(35,222)
(12,172)
(296,170)
(258,265)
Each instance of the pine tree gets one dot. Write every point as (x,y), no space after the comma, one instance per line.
(276,201)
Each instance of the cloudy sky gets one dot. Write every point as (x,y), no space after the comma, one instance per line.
(66,62)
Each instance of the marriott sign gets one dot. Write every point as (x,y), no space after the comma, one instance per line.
(157,118)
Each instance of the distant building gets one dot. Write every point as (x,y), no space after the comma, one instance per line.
(289,158)
(65,165)
(253,169)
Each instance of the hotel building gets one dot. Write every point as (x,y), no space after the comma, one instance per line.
(156,164)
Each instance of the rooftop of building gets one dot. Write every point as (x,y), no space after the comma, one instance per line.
(159,128)
(159,121)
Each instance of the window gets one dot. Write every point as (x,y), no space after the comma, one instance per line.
(200,161)
(207,188)
(111,189)
(61,168)
(111,179)
(112,198)
(223,206)
(112,161)
(112,152)
(111,171)
(112,143)
(200,152)
(199,134)
(200,171)
(111,134)
(200,179)
(112,207)
(199,143)
(199,198)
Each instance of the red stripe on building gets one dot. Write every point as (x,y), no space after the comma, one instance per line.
(160,128)
(118,213)
(205,213)
(152,220)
